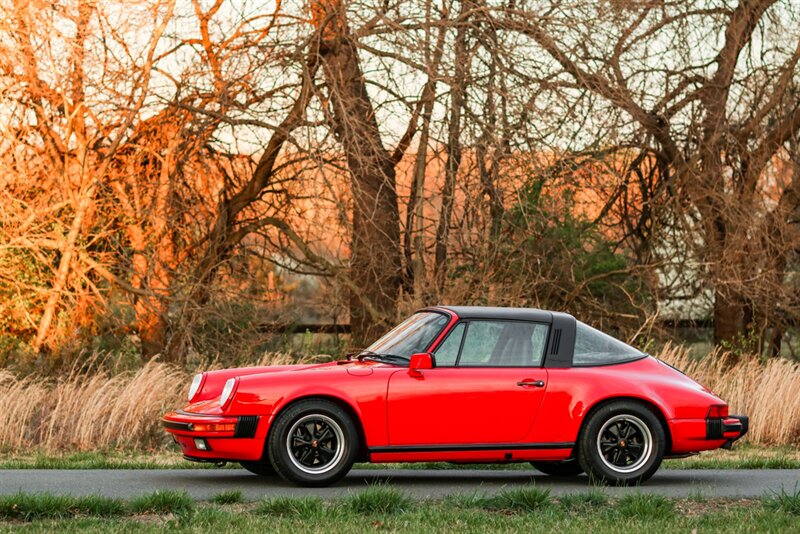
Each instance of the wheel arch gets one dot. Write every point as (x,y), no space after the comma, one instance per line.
(361,456)
(650,405)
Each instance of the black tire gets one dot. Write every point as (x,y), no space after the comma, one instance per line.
(632,440)
(313,443)
(263,468)
(566,468)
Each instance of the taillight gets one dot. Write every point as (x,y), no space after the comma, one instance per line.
(718,411)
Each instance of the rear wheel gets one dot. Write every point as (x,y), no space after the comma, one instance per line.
(263,469)
(313,443)
(622,443)
(566,468)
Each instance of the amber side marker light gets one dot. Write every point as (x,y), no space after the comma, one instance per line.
(718,411)
(213,427)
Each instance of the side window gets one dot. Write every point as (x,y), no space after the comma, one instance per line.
(503,344)
(482,337)
(447,353)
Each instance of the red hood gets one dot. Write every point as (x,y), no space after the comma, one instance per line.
(206,401)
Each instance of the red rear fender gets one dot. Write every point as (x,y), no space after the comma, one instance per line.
(573,393)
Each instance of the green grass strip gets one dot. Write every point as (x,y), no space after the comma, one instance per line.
(29,506)
(382,507)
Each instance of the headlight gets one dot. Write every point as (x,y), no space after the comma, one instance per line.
(227,392)
(197,381)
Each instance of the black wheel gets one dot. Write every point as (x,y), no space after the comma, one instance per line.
(313,443)
(622,443)
(566,468)
(263,469)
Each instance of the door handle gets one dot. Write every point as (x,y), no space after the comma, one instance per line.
(534,383)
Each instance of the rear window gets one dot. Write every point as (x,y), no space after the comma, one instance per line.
(593,347)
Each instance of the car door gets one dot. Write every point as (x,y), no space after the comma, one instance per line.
(486,387)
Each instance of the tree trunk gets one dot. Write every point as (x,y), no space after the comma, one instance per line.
(69,247)
(414,238)
(453,148)
(153,275)
(775,342)
(376,261)
(728,318)
(489,151)
(151,322)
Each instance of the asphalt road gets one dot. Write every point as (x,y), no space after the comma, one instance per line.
(203,484)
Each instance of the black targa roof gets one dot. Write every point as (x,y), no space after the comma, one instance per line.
(493,312)
(561,340)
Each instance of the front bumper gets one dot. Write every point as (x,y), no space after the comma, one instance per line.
(185,423)
(212,437)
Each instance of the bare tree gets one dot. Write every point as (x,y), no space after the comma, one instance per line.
(376,260)
(717,115)
(602,157)
(52,116)
(457,90)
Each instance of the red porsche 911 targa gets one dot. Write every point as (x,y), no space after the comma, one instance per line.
(459,384)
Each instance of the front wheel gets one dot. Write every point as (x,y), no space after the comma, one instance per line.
(622,443)
(566,468)
(313,443)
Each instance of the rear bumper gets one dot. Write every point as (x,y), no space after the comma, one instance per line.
(694,435)
(732,427)
(241,437)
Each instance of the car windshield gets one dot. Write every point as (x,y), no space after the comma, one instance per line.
(412,336)
(593,347)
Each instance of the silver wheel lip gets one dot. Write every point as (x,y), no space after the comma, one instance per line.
(648,445)
(340,444)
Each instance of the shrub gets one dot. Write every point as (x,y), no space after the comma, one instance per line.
(645,506)
(228,497)
(291,506)
(162,502)
(378,500)
(584,501)
(519,500)
(785,501)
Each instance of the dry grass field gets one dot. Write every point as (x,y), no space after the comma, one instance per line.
(767,392)
(84,412)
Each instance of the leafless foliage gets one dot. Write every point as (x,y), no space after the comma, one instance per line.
(164,161)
